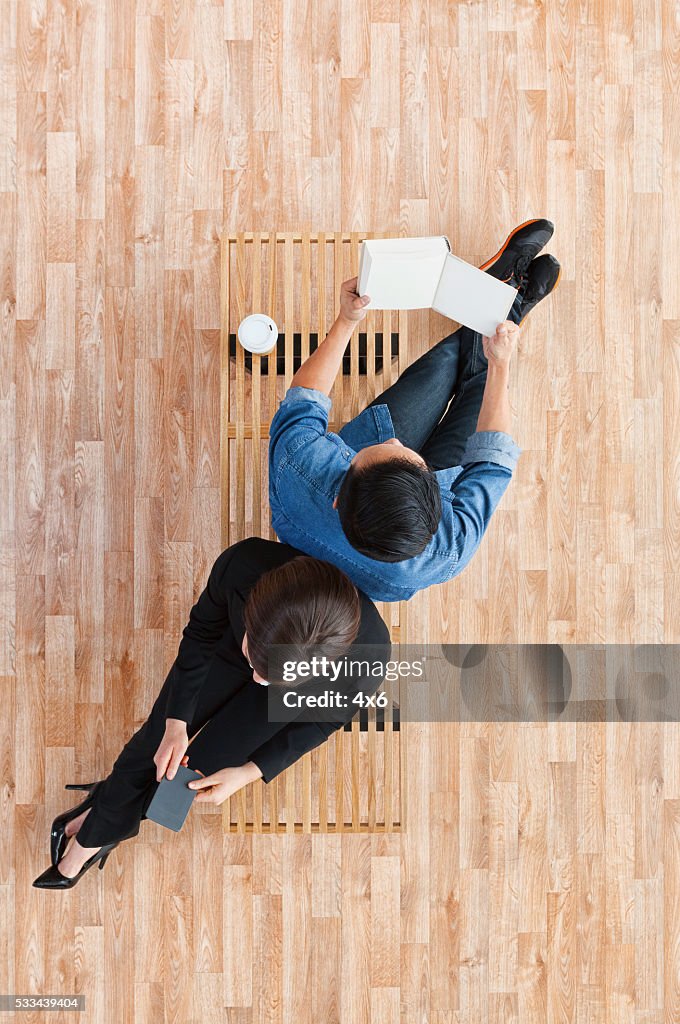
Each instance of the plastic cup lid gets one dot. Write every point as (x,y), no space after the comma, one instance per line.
(257,333)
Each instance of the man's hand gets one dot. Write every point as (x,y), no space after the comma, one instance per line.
(320,369)
(351,305)
(216,788)
(503,345)
(172,748)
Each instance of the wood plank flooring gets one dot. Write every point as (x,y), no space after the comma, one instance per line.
(539,876)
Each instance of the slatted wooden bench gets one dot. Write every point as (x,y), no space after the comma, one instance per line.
(353,782)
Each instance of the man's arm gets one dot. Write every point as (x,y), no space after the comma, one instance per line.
(490,454)
(321,368)
(495,413)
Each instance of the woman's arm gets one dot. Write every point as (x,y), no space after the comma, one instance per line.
(208,620)
(289,744)
(296,738)
(219,786)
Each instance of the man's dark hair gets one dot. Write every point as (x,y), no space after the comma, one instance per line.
(305,605)
(390,510)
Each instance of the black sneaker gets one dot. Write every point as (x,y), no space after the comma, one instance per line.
(519,249)
(540,279)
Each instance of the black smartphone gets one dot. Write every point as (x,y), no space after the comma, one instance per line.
(171,802)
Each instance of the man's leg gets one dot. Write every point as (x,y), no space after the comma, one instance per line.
(444,448)
(418,399)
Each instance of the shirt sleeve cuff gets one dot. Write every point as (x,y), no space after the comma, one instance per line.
(491,446)
(300,394)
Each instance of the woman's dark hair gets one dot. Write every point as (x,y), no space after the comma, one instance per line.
(305,605)
(389,510)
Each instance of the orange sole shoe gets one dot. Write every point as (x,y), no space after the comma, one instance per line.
(534,249)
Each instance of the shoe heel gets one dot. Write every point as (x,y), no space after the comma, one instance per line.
(58,829)
(104,859)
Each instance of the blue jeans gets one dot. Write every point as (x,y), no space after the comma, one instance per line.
(435,403)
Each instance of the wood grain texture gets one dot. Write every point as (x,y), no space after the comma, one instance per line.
(536,874)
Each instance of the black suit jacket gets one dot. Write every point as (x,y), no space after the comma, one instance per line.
(216,629)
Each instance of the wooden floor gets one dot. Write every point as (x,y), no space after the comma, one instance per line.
(539,876)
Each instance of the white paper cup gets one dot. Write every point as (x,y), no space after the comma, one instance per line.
(258,333)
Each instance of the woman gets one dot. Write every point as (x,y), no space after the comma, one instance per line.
(259,593)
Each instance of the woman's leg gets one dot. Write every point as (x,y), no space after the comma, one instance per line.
(121,802)
(234,731)
(124,795)
(418,399)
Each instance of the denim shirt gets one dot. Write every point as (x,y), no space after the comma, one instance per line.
(307,463)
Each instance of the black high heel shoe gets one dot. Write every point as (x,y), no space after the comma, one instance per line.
(52,878)
(58,835)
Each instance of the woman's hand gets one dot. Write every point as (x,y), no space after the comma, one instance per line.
(172,748)
(219,787)
(351,305)
(503,345)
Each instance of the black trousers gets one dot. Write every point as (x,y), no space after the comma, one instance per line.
(233,709)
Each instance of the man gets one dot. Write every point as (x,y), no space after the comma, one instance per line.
(401,497)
